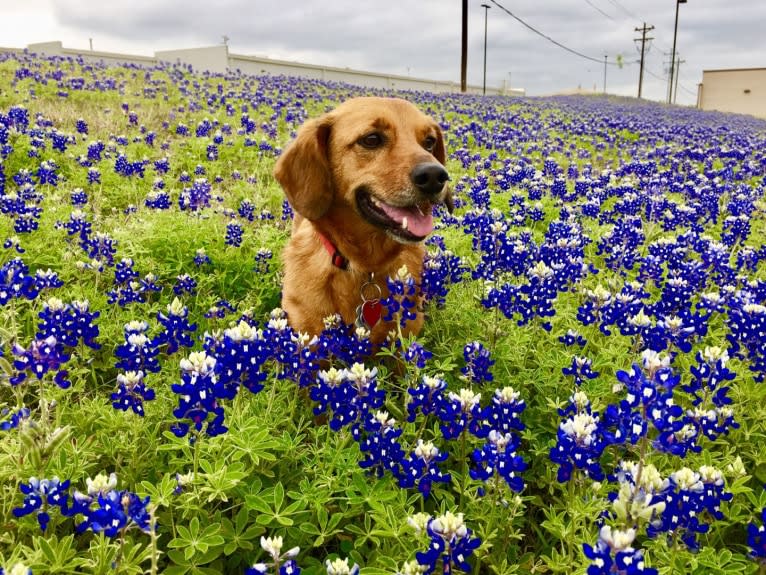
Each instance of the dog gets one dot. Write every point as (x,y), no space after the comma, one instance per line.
(362,181)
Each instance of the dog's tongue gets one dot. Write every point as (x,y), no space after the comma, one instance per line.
(417,221)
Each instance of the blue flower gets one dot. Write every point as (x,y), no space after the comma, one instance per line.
(185,284)
(579,441)
(177,329)
(41,357)
(498,455)
(39,495)
(13,420)
(421,468)
(580,369)
(234,233)
(613,554)
(756,538)
(139,352)
(451,544)
(131,392)
(380,444)
(477,363)
(197,397)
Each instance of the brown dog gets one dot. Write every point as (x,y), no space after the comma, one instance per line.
(363,180)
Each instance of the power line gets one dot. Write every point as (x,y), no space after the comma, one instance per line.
(592,5)
(536,31)
(625,10)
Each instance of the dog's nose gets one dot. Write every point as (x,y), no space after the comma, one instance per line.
(429,177)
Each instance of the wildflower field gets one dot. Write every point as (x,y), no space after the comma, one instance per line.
(587,395)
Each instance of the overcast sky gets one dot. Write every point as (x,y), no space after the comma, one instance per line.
(421,38)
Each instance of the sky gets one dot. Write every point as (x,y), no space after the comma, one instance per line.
(421,38)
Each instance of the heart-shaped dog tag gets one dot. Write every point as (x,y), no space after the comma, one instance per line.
(371,312)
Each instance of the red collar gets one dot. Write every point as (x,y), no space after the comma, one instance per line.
(338,259)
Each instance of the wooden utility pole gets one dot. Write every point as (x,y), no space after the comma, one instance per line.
(643,39)
(464,49)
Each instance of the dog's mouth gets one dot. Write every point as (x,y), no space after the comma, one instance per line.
(407,224)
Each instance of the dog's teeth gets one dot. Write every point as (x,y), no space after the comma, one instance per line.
(420,211)
(404,223)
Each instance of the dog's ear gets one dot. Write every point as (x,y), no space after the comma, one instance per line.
(440,152)
(303,169)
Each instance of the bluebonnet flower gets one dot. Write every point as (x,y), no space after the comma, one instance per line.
(380,444)
(340,567)
(426,397)
(349,395)
(81,126)
(756,538)
(439,270)
(262,259)
(104,509)
(477,363)
(747,334)
(17,569)
(498,456)
(401,300)
(185,284)
(201,258)
(15,282)
(198,399)
(40,495)
(220,309)
(451,543)
(101,246)
(418,355)
(139,352)
(614,554)
(503,413)
(572,337)
(47,173)
(580,369)
(579,440)
(13,243)
(690,498)
(462,411)
(157,200)
(177,329)
(246,210)
(421,468)
(78,197)
(241,356)
(131,392)
(162,166)
(280,564)
(12,419)
(94,176)
(233,234)
(41,357)
(197,197)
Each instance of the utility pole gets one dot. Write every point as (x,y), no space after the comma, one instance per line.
(486,11)
(464,48)
(675,77)
(605,57)
(643,39)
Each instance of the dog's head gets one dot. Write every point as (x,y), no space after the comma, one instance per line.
(381,158)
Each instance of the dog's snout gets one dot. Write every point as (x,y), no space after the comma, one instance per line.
(429,177)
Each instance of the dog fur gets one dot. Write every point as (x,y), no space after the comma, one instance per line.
(336,174)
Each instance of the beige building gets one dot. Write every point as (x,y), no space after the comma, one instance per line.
(742,91)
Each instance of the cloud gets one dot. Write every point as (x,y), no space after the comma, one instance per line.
(423,38)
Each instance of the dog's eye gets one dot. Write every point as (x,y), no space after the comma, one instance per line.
(371,141)
(429,143)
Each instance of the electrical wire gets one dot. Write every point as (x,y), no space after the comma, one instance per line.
(559,44)
(592,5)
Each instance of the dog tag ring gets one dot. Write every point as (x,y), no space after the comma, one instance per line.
(369,312)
